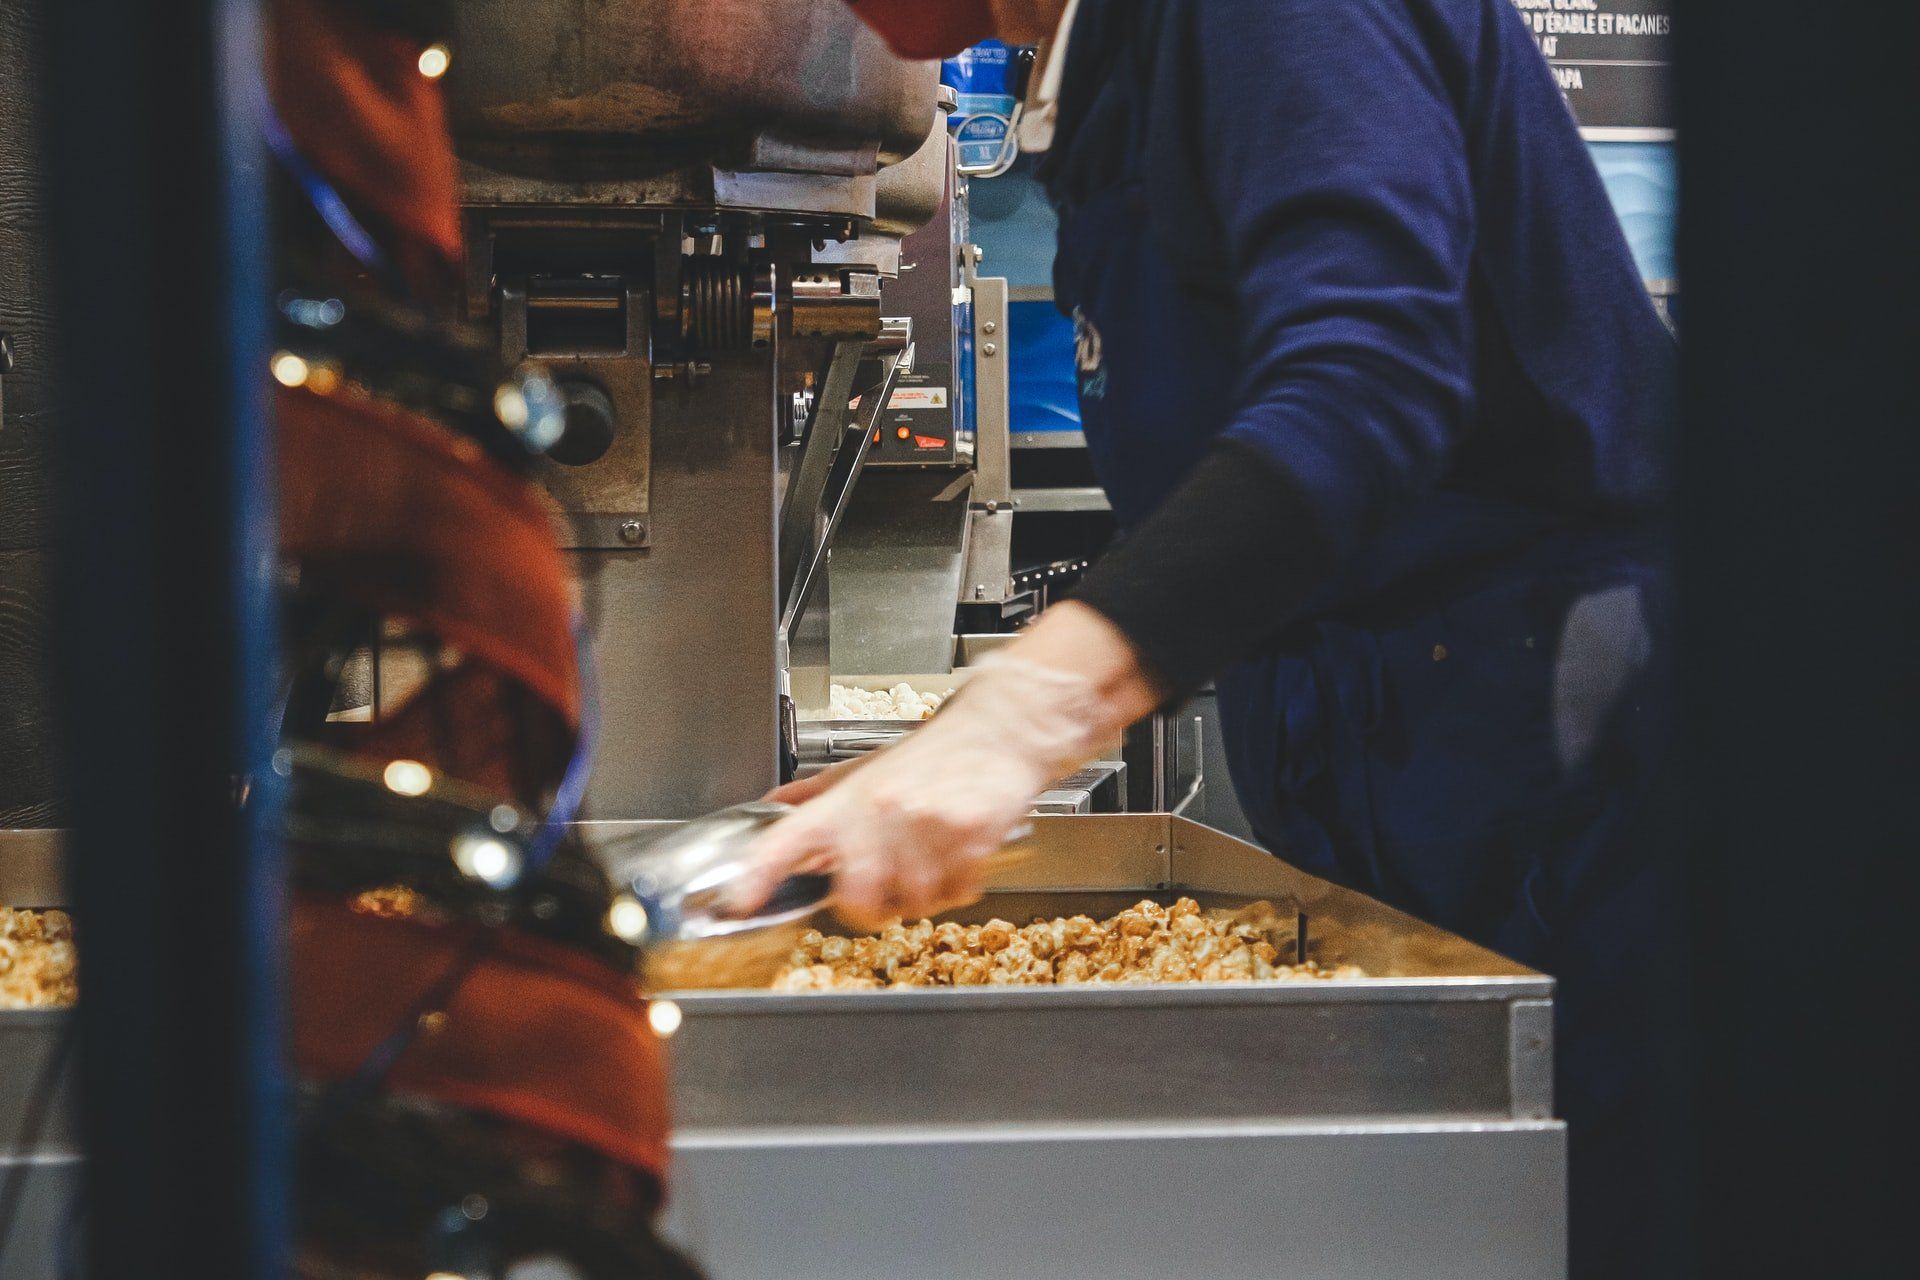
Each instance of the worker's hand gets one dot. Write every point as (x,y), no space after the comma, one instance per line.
(801,790)
(907,831)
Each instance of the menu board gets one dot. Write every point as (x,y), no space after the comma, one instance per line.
(1613,58)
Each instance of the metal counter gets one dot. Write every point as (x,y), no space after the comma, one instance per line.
(1396,1126)
(1390,1128)
(30,876)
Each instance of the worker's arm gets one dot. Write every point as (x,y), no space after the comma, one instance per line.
(1328,147)
(1330,152)
(908,830)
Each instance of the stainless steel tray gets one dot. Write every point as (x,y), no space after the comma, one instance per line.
(1440,1031)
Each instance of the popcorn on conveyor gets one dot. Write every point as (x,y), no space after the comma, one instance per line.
(901,702)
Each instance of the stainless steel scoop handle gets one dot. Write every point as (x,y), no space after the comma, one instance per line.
(681,881)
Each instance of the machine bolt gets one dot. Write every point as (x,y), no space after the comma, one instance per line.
(992,349)
(979,591)
(631,531)
(991,326)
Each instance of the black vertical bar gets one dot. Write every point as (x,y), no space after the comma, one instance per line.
(165,631)
(1799,552)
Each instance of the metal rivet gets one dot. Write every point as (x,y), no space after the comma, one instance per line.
(991,326)
(991,349)
(632,531)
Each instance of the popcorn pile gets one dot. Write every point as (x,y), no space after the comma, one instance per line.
(1145,943)
(36,959)
(898,703)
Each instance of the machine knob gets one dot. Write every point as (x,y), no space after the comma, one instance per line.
(590,422)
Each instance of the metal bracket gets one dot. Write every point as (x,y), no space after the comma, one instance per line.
(1530,1058)
(850,460)
(607,501)
(808,486)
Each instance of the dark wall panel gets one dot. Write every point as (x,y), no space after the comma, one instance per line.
(27,781)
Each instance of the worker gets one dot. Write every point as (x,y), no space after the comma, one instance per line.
(1380,402)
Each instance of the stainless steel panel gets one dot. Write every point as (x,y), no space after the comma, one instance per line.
(1034,1055)
(30,867)
(807,486)
(50,1169)
(1532,1067)
(896,572)
(850,462)
(968,650)
(684,630)
(27,1043)
(532,76)
(992,391)
(1058,500)
(1456,1202)
(810,651)
(989,570)
(38,1249)
(1049,440)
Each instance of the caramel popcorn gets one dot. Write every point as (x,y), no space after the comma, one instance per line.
(1145,943)
(36,959)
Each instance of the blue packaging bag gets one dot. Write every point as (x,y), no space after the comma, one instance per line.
(982,79)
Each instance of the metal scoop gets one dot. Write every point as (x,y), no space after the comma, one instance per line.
(677,907)
(674,903)
(682,880)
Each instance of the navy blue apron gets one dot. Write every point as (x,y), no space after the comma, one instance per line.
(1473,743)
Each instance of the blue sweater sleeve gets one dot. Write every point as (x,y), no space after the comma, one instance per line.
(1334,168)
(1335,164)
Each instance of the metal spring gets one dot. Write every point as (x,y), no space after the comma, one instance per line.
(716,305)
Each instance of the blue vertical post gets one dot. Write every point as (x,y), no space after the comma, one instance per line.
(165,635)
